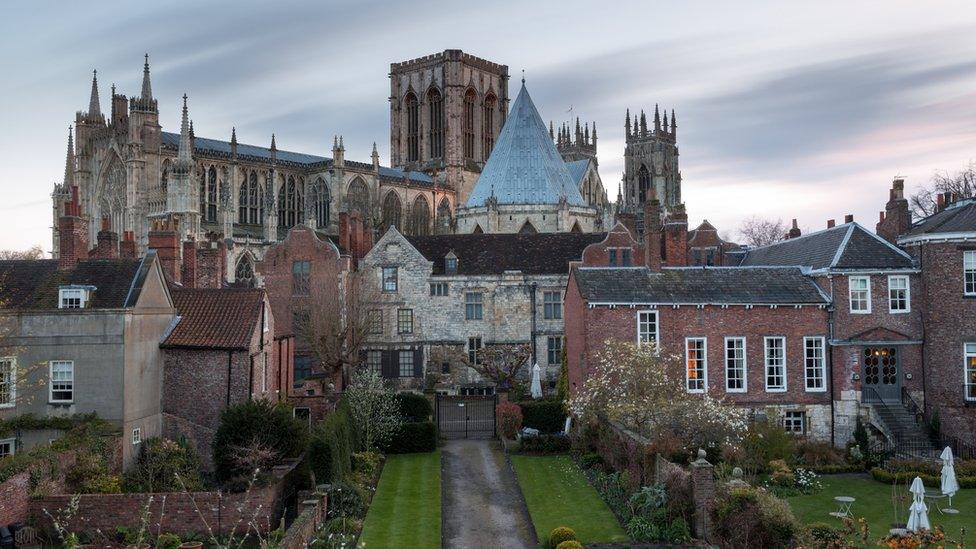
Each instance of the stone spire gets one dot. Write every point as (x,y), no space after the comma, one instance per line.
(94,111)
(586,134)
(674,123)
(274,150)
(376,158)
(594,133)
(69,162)
(552,134)
(233,142)
(146,85)
(657,119)
(193,135)
(627,125)
(184,157)
(643,124)
(665,123)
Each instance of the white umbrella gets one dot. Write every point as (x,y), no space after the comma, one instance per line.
(949,483)
(536,381)
(918,519)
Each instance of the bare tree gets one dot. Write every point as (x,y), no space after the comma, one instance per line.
(757,231)
(498,363)
(34,252)
(961,184)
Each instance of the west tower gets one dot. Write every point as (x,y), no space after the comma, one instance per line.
(650,162)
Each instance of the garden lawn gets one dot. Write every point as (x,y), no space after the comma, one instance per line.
(558,494)
(874,504)
(406,509)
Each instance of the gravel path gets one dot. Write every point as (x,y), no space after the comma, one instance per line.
(482,504)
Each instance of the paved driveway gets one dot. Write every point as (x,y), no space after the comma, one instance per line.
(482,502)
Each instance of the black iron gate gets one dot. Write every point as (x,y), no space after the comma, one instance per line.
(466,416)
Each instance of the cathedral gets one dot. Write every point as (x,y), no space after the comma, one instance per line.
(449,114)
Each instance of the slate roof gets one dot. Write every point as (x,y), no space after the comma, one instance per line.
(577,169)
(731,285)
(222,148)
(847,246)
(215,318)
(524,166)
(492,254)
(34,284)
(959,217)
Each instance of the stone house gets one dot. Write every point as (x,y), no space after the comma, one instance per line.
(222,351)
(439,299)
(82,336)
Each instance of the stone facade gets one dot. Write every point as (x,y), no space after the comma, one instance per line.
(527,218)
(650,163)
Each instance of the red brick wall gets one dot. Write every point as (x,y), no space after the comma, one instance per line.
(847,325)
(14,500)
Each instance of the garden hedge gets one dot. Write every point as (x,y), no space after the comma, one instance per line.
(417,436)
(331,446)
(414,407)
(255,422)
(544,444)
(548,416)
(932,481)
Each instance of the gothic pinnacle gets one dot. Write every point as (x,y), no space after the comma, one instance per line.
(643,123)
(146,85)
(665,124)
(551,133)
(185,154)
(69,162)
(93,109)
(233,135)
(674,123)
(342,146)
(594,132)
(657,119)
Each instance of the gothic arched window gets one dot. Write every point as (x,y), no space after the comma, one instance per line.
(208,195)
(643,184)
(413,127)
(468,122)
(420,217)
(357,197)
(164,177)
(435,102)
(320,202)
(444,216)
(488,126)
(391,211)
(249,208)
(244,273)
(112,197)
(290,203)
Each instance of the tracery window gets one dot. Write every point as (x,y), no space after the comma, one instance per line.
(420,217)
(643,184)
(321,203)
(413,128)
(112,199)
(290,203)
(208,195)
(488,126)
(468,122)
(435,103)
(244,273)
(444,215)
(250,208)
(391,211)
(357,197)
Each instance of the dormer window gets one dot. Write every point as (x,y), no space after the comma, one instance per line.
(450,264)
(73,297)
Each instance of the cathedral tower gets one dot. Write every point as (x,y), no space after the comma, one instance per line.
(577,143)
(446,111)
(650,162)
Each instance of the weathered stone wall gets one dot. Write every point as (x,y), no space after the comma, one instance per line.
(14,498)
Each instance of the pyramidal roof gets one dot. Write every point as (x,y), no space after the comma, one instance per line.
(525,167)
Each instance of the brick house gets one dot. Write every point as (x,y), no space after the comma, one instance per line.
(944,246)
(439,299)
(221,352)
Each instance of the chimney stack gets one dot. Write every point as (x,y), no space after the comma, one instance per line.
(652,234)
(676,237)
(849,218)
(164,239)
(108,242)
(831,223)
(72,234)
(895,220)
(127,248)
(188,267)
(794,231)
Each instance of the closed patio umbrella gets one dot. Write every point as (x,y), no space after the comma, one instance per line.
(536,381)
(949,483)
(918,518)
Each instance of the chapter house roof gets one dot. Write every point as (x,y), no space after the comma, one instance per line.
(215,318)
(847,246)
(577,170)
(263,154)
(959,217)
(35,284)
(524,166)
(493,254)
(698,285)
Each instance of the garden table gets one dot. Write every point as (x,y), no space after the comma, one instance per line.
(844,504)
(936,497)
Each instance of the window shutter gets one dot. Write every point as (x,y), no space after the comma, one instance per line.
(390,364)
(418,362)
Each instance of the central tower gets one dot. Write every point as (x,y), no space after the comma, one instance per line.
(650,163)
(446,111)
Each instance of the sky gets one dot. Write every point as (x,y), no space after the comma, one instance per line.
(785,109)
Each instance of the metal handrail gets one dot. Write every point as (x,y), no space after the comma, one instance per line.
(909,402)
(880,400)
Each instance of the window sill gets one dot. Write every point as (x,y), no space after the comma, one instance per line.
(783,390)
(60,402)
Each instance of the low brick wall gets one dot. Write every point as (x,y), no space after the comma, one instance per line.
(625,450)
(14,499)
(311,515)
(174,512)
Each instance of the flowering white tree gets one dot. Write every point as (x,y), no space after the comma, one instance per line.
(645,391)
(374,408)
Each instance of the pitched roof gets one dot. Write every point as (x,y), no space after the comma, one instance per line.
(577,169)
(731,285)
(524,166)
(959,217)
(480,254)
(215,318)
(847,246)
(34,284)
(263,154)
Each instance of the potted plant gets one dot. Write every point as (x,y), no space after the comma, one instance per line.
(191,545)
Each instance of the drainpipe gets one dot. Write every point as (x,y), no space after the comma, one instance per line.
(230,362)
(250,379)
(830,372)
(532,288)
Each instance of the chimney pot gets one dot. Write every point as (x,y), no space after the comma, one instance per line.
(831,223)
(849,218)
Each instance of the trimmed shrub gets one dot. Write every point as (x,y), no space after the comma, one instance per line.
(366,462)
(766,441)
(548,416)
(590,460)
(930,480)
(330,448)
(345,500)
(746,517)
(168,541)
(255,435)
(821,534)
(509,419)
(544,444)
(561,534)
(817,454)
(414,407)
(413,437)
(159,462)
(570,544)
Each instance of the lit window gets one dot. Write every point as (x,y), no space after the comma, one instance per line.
(814,364)
(404,321)
(969,271)
(775,354)
(970,371)
(62,380)
(136,436)
(647,327)
(554,349)
(374,361)
(860,294)
(8,447)
(438,289)
(473,306)
(795,422)
(406,363)
(389,279)
(375,321)
(552,305)
(696,364)
(899,294)
(8,382)
(301,277)
(735,364)
(72,298)
(474,344)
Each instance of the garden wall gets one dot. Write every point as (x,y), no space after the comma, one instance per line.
(14,499)
(625,451)
(311,515)
(174,512)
